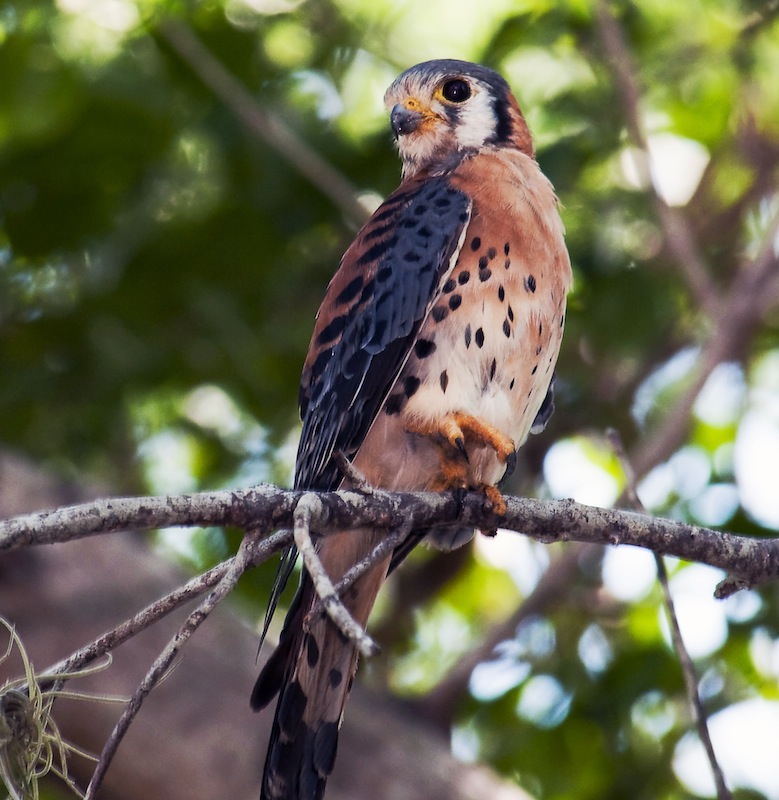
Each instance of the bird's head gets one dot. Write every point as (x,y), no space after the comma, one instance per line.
(442,111)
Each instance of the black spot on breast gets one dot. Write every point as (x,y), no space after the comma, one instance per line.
(539,349)
(420,209)
(332,331)
(440,313)
(424,347)
(506,328)
(384,274)
(507,263)
(511,314)
(350,291)
(562,320)
(511,385)
(454,301)
(493,369)
(506,248)
(484,274)
(463,277)
(491,253)
(412,257)
(533,371)
(394,404)
(530,284)
(502,294)
(467,336)
(443,379)
(312,651)
(540,328)
(479,337)
(483,262)
(410,385)
(475,243)
(335,677)
(448,286)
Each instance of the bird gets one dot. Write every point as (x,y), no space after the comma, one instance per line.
(431,360)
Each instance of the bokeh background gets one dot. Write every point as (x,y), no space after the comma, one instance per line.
(177,184)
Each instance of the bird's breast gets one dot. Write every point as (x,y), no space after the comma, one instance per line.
(490,342)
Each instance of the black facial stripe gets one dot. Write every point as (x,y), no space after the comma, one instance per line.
(503,124)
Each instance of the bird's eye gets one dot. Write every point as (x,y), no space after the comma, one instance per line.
(456,91)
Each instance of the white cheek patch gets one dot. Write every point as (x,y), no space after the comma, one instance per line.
(476,122)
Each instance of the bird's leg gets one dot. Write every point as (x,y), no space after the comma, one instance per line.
(455,429)
(483,433)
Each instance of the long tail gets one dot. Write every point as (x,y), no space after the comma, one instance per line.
(312,671)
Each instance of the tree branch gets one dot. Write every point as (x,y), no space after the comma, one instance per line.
(265,124)
(265,508)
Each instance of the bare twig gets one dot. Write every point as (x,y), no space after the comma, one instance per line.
(348,470)
(439,703)
(382,549)
(688,668)
(263,123)
(237,567)
(306,510)
(155,611)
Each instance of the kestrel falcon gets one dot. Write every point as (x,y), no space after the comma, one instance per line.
(431,361)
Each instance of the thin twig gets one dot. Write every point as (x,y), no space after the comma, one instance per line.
(679,238)
(382,549)
(263,123)
(357,480)
(308,507)
(161,665)
(688,668)
(439,704)
(155,611)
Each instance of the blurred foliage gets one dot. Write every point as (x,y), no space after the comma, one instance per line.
(160,266)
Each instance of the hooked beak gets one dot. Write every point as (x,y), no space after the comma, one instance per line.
(404,120)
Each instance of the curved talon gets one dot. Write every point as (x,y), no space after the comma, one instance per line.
(511,464)
(459,443)
(459,498)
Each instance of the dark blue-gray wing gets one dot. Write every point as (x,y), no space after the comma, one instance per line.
(375,305)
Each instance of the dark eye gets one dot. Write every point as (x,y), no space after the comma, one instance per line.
(456,91)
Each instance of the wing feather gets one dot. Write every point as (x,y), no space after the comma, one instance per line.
(386,285)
